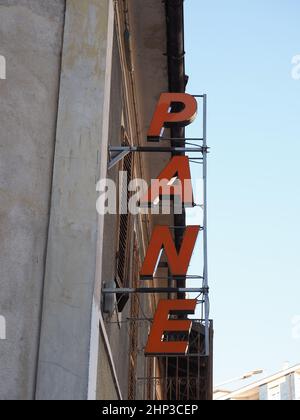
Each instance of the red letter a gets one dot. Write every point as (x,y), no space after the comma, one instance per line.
(173,181)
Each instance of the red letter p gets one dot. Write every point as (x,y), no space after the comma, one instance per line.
(164,117)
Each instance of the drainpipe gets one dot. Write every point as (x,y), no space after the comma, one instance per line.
(177,83)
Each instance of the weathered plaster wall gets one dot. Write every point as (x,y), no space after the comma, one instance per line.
(30,40)
(71,258)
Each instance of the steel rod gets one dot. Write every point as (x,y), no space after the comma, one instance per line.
(154,290)
(188,277)
(148,149)
(205,273)
(177,139)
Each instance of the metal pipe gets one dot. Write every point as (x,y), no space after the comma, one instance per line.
(154,290)
(137,149)
(205,271)
(110,355)
(189,277)
(177,83)
(173,139)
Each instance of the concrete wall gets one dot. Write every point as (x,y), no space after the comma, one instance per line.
(106,385)
(118,336)
(53,149)
(30,40)
(72,247)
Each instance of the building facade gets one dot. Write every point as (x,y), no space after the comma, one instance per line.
(282,386)
(84,76)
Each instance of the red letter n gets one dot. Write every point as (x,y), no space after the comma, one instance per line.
(162,240)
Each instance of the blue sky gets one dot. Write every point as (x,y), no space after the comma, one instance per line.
(239,52)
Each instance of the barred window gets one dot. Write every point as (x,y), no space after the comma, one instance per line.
(124,251)
(134,328)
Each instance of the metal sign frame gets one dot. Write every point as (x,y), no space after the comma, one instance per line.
(118,153)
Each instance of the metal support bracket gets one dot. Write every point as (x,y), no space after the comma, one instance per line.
(116,157)
(128,290)
(117,153)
